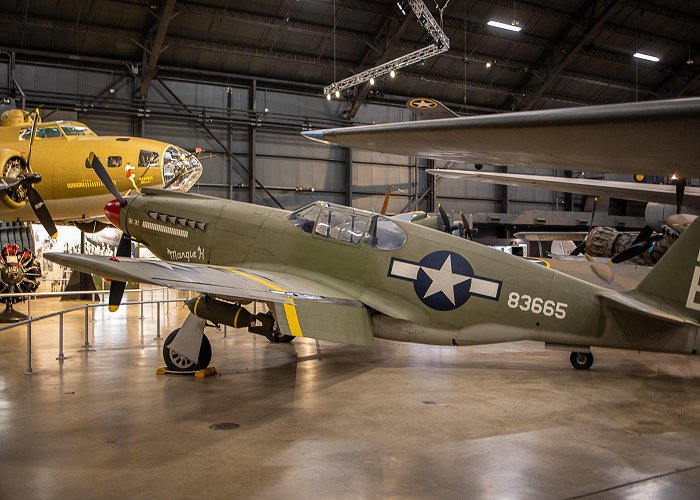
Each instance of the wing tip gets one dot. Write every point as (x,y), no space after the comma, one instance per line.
(315,135)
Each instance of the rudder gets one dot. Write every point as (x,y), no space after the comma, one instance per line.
(676,277)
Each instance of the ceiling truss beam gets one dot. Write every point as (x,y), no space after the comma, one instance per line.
(155,44)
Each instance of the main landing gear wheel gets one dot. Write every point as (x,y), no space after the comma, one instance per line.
(581,360)
(178,363)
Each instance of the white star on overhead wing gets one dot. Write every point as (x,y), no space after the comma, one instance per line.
(423,104)
(444,280)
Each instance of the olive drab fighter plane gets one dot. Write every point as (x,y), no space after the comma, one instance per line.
(50,158)
(340,274)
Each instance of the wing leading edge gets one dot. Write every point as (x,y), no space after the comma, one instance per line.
(655,193)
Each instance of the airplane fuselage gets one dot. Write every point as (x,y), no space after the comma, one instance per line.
(434,289)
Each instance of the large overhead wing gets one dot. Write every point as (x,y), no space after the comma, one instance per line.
(302,306)
(656,138)
(655,193)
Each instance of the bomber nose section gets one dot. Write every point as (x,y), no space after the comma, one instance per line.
(113,211)
(181,169)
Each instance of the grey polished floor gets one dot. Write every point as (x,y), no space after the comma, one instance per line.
(397,420)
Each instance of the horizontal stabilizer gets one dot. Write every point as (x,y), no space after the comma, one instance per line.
(629,304)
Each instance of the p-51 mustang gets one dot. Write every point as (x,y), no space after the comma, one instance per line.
(344,275)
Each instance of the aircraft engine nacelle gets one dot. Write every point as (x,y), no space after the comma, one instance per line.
(13,165)
(220,312)
(656,214)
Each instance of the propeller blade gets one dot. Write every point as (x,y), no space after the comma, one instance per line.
(680,191)
(116,288)
(445,219)
(35,124)
(595,205)
(385,206)
(630,252)
(468,223)
(644,235)
(9,183)
(579,248)
(116,292)
(41,211)
(101,172)
(124,248)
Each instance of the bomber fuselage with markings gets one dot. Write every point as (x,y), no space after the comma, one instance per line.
(346,275)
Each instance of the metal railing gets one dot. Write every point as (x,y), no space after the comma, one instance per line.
(86,347)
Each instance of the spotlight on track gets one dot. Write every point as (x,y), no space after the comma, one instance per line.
(392,74)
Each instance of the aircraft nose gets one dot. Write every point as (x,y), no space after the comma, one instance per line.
(113,211)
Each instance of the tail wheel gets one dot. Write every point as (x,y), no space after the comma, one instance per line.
(177,363)
(581,360)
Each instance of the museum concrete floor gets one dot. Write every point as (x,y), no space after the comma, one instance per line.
(396,420)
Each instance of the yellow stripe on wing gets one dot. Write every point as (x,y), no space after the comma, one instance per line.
(289,308)
(292,319)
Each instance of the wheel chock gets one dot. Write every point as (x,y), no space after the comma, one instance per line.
(205,372)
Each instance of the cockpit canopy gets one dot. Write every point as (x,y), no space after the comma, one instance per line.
(54,130)
(349,225)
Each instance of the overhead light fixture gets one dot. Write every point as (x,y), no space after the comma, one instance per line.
(646,57)
(504,26)
(328,97)
(392,74)
(371,81)
(489,64)
(337,93)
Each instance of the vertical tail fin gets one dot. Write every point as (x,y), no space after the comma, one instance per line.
(675,279)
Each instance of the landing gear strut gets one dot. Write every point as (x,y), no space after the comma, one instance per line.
(177,363)
(581,360)
(270,329)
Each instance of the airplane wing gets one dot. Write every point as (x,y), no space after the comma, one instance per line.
(551,235)
(655,137)
(303,307)
(656,193)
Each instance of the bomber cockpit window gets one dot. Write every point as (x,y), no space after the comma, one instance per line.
(384,234)
(48,133)
(305,218)
(76,130)
(148,159)
(41,133)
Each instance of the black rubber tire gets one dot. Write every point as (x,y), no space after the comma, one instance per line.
(581,360)
(178,363)
(279,338)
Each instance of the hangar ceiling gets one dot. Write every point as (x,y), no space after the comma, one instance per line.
(569,52)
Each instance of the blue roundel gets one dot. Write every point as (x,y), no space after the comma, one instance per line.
(444,280)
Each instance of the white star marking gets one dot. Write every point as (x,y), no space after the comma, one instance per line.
(444,280)
(423,104)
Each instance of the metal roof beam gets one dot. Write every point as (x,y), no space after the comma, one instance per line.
(593,28)
(155,45)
